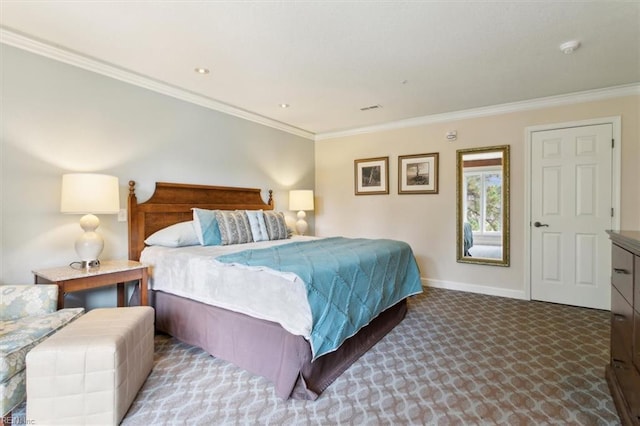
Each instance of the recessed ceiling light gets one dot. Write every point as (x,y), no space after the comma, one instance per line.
(569,47)
(284,105)
(201,70)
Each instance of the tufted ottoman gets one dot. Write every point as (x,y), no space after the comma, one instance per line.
(90,371)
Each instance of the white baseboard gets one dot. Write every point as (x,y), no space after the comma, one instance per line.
(475,288)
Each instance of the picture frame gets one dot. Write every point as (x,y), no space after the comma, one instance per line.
(418,173)
(371,176)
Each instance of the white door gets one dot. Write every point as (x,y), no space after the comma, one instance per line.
(571,208)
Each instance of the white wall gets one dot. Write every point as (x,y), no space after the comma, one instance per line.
(56,118)
(427,222)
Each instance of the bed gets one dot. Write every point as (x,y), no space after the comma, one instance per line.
(261,346)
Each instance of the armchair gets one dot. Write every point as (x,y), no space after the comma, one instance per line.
(27,316)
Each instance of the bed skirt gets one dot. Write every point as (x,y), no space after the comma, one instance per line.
(264,347)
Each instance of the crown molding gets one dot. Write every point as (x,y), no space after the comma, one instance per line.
(23,42)
(546,102)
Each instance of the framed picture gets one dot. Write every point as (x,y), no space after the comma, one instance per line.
(372,176)
(418,174)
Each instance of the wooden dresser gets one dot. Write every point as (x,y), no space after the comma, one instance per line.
(623,371)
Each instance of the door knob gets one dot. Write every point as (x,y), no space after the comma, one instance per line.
(539,225)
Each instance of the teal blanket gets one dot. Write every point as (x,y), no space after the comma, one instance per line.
(348,281)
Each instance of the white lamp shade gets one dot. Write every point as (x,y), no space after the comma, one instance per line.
(301,199)
(89,193)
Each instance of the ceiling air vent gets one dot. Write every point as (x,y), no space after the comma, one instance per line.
(367,108)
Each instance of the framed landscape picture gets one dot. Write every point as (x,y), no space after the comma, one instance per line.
(418,174)
(372,176)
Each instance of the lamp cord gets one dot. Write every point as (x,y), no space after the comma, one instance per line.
(78,265)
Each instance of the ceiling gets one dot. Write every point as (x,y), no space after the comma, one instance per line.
(329,59)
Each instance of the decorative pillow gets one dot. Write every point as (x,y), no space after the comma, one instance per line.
(234,227)
(258,227)
(276,226)
(178,235)
(206,226)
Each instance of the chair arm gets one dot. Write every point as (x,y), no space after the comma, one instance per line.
(18,301)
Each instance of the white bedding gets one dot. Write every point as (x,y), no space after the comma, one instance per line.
(192,272)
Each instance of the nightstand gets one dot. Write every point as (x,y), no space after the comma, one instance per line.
(110,272)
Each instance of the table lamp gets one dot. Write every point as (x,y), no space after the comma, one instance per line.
(89,194)
(301,200)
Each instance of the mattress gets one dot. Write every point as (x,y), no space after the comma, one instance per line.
(192,272)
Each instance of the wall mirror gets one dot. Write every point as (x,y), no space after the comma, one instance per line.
(482,211)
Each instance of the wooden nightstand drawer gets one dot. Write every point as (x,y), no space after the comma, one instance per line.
(623,373)
(621,328)
(629,381)
(636,296)
(636,340)
(622,272)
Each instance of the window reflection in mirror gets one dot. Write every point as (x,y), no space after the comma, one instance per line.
(483,205)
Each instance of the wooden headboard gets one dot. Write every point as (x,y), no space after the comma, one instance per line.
(172,202)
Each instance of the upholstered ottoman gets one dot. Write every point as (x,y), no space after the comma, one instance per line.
(90,371)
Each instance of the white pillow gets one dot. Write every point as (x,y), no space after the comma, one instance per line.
(178,235)
(258,227)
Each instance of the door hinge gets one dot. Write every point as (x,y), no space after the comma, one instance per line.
(611,211)
(613,142)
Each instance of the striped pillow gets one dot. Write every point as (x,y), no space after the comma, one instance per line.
(234,227)
(276,226)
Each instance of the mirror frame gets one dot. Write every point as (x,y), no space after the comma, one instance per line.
(506,178)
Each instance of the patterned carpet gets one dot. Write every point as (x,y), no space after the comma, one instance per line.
(457,359)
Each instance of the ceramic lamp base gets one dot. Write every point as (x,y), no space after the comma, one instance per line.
(301,224)
(90,244)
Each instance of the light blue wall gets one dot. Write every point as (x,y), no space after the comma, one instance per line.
(57,118)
